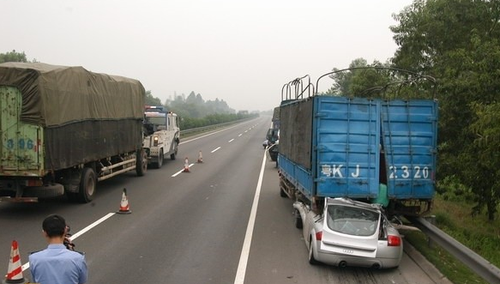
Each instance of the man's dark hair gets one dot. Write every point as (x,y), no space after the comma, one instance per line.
(54,225)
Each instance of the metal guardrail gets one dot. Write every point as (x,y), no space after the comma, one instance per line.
(481,266)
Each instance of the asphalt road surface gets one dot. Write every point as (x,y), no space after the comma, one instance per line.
(198,227)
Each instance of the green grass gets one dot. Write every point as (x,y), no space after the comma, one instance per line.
(477,233)
(453,269)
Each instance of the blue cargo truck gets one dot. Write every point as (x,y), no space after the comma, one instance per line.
(373,150)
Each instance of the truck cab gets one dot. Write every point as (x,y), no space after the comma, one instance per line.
(162,134)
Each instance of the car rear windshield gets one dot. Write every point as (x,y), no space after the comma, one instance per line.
(352,221)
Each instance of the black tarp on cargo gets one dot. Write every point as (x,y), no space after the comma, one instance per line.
(296,131)
(85,116)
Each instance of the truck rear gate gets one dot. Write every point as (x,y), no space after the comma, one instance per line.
(410,146)
(20,151)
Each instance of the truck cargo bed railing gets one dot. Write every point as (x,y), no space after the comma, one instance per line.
(299,88)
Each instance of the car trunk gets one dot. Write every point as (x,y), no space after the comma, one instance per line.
(350,230)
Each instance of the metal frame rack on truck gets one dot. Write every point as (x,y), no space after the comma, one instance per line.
(374,149)
(64,128)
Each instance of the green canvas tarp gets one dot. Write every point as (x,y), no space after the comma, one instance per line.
(56,95)
(85,116)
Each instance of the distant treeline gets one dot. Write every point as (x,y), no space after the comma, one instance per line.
(188,122)
(194,111)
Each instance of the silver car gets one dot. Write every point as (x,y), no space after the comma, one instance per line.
(349,233)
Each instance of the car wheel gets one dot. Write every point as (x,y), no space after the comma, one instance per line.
(312,260)
(87,185)
(298,219)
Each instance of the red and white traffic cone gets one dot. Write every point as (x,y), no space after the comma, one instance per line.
(124,206)
(15,271)
(200,157)
(186,165)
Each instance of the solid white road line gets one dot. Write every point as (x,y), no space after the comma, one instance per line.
(179,172)
(245,251)
(215,150)
(91,226)
(79,233)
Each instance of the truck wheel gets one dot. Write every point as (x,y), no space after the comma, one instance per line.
(283,193)
(87,185)
(159,163)
(172,156)
(298,219)
(141,163)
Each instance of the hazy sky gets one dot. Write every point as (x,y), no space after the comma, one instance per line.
(239,51)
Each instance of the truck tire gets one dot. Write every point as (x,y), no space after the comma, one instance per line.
(87,185)
(172,156)
(141,163)
(159,160)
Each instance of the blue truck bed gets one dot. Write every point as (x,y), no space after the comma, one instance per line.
(347,147)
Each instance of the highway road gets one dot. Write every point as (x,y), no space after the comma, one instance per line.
(199,227)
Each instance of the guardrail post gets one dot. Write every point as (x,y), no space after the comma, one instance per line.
(431,219)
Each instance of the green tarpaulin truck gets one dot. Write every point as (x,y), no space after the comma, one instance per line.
(62,129)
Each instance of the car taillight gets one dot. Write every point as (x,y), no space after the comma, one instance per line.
(319,235)
(393,241)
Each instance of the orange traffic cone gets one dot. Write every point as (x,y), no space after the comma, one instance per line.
(186,166)
(15,272)
(200,157)
(124,206)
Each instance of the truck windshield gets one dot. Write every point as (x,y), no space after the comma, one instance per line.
(352,221)
(157,120)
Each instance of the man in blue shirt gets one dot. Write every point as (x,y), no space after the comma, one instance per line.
(57,264)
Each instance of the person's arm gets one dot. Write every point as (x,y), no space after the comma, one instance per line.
(83,271)
(32,268)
